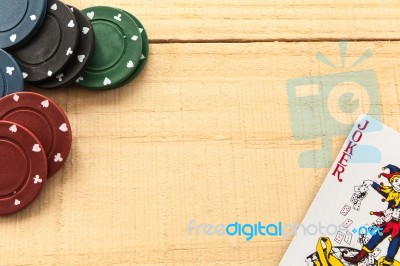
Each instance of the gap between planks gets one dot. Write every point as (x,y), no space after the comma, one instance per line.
(172,41)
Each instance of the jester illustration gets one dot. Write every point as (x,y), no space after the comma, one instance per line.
(388,221)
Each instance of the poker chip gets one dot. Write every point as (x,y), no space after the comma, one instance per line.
(45,119)
(83,52)
(52,46)
(145,49)
(118,48)
(23,167)
(19,20)
(11,79)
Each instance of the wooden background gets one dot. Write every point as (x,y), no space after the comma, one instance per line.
(204,133)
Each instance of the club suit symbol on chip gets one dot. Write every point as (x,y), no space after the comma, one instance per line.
(326,106)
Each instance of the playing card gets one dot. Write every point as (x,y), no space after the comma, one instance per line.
(352,189)
(347,223)
(371,259)
(339,237)
(363,263)
(357,206)
(387,218)
(363,189)
(362,195)
(354,198)
(376,252)
(388,212)
(346,209)
(348,237)
(396,214)
(379,221)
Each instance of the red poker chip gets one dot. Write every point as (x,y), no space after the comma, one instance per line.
(45,119)
(23,165)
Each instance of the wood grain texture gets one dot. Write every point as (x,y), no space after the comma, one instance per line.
(243,20)
(204,133)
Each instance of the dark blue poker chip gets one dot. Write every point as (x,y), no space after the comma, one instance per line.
(11,79)
(19,21)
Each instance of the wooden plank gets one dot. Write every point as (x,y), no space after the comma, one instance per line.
(204,133)
(209,20)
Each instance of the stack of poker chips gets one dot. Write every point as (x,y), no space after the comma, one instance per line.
(51,45)
(35,142)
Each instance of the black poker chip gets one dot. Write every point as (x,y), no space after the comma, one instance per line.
(80,58)
(52,47)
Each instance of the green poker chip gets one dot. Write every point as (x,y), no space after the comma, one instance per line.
(145,49)
(118,48)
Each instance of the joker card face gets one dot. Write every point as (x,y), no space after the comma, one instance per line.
(358,206)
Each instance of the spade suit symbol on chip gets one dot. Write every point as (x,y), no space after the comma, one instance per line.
(107,81)
(13,37)
(13,129)
(45,103)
